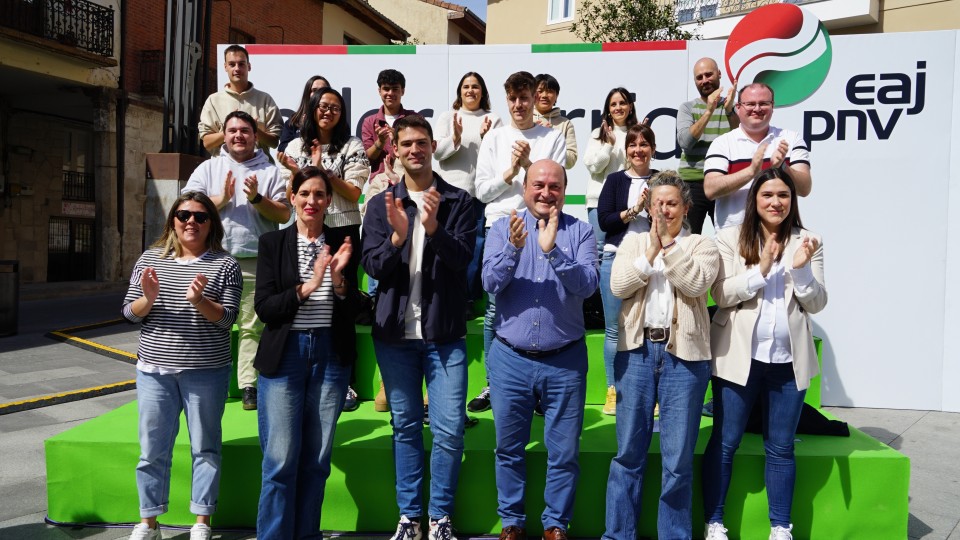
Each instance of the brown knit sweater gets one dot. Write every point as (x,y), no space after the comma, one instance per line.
(691,266)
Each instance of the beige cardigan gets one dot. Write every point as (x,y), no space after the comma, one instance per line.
(691,267)
(734,323)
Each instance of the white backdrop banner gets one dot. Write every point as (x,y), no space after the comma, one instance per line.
(885,156)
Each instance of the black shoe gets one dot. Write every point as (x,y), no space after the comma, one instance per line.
(470,422)
(538,410)
(350,402)
(481,402)
(426,414)
(708,408)
(250,398)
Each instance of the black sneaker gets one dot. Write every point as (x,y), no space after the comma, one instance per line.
(481,402)
(350,402)
(426,414)
(250,398)
(538,410)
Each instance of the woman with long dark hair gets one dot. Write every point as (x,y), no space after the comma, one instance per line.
(770,281)
(185,292)
(605,151)
(291,128)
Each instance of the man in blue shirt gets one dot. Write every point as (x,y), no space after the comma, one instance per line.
(541,264)
(418,237)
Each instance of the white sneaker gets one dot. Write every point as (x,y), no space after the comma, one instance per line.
(441,530)
(199,531)
(142,531)
(407,530)
(781,533)
(714,531)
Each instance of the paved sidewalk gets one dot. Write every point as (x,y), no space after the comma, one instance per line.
(32,365)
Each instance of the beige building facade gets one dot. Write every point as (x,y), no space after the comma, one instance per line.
(434,22)
(549,21)
(359,22)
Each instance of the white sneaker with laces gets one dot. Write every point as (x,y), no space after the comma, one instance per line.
(441,529)
(200,531)
(714,531)
(407,530)
(142,531)
(781,533)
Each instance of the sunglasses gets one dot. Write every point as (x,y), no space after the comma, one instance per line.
(199,217)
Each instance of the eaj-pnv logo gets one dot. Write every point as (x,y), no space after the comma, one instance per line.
(783,46)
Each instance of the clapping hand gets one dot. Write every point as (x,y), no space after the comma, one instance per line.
(150,284)
(770,254)
(805,252)
(397,219)
(340,261)
(779,154)
(428,216)
(607,131)
(518,232)
(548,230)
(485,125)
(195,290)
(457,129)
(250,186)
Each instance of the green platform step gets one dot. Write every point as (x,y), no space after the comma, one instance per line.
(850,487)
(846,487)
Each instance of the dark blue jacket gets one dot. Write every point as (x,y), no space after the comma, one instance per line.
(446,255)
(612,201)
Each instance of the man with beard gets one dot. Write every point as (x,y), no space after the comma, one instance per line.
(699,122)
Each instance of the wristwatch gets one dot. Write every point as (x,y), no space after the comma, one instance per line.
(257,199)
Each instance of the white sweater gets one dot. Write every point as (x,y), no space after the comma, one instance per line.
(496,153)
(602,160)
(458,164)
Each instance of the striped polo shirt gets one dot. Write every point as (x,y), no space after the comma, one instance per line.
(692,159)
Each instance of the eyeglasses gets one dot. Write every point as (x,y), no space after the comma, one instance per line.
(756,104)
(199,217)
(334,109)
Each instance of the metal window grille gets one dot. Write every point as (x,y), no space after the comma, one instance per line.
(77,23)
(78,186)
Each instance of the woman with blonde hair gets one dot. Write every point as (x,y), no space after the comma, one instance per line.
(663,355)
(185,292)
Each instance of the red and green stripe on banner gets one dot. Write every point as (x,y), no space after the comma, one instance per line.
(412,49)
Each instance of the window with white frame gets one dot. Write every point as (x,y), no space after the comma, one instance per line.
(559,11)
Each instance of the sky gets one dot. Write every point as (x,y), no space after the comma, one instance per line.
(478,7)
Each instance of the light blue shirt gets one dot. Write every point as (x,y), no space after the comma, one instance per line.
(539,296)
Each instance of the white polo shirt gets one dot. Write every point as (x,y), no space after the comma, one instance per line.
(733,151)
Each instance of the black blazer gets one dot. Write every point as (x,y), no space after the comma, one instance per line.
(276,301)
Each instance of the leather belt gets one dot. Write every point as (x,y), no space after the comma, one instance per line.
(656,334)
(539,354)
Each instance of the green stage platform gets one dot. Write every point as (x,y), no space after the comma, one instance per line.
(850,487)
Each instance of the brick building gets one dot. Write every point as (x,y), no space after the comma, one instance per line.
(82,105)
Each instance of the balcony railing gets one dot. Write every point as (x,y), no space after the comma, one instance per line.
(78,186)
(77,23)
(693,10)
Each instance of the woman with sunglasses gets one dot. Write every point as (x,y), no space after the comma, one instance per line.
(308,304)
(770,281)
(185,292)
(325,142)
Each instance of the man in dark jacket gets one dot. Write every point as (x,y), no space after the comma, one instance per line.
(418,238)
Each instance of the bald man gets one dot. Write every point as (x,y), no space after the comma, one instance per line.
(541,264)
(699,122)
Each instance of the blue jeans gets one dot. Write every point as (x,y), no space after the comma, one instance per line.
(474,285)
(201,395)
(297,409)
(644,377)
(611,316)
(781,404)
(559,382)
(597,231)
(404,366)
